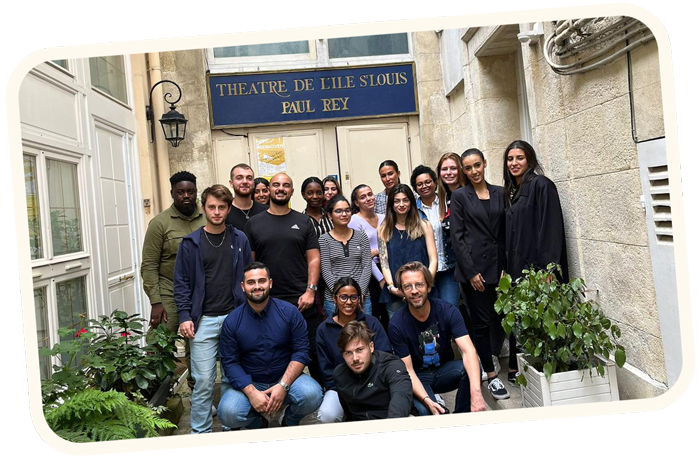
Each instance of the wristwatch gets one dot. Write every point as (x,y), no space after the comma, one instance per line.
(284,385)
(312,287)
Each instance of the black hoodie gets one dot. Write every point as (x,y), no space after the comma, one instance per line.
(384,390)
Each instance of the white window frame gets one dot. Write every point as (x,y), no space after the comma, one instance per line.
(127,82)
(318,57)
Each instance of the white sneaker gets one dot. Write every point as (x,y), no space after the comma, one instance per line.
(484,375)
(497,389)
(496,364)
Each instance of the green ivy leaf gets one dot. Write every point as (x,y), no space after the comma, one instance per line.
(588,339)
(526,321)
(141,382)
(561,331)
(578,330)
(601,370)
(504,284)
(548,369)
(620,357)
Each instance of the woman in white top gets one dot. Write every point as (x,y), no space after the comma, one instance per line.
(366,220)
(345,252)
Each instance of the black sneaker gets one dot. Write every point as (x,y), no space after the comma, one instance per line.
(512,376)
(497,389)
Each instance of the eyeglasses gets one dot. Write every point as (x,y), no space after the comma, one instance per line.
(425,183)
(409,287)
(344,298)
(340,211)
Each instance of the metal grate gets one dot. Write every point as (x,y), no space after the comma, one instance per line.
(661,203)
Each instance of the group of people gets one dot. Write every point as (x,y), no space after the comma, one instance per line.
(387,299)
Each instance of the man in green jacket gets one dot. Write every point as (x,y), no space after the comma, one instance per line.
(163,237)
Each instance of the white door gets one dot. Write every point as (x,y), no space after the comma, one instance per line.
(117,228)
(362,148)
(297,153)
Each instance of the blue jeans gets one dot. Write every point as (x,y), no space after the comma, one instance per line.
(329,306)
(446,287)
(204,350)
(304,397)
(447,377)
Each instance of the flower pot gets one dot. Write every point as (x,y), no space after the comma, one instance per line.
(565,388)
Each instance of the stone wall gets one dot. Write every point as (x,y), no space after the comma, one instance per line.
(581,129)
(195,153)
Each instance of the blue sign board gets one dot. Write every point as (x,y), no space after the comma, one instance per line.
(312,95)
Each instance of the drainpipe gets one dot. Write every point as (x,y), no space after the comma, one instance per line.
(162,156)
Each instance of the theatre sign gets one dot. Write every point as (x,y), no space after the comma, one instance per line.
(312,95)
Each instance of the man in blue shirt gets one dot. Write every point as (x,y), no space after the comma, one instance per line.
(264,347)
(421,334)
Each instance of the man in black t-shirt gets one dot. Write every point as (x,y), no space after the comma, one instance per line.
(243,207)
(285,241)
(207,287)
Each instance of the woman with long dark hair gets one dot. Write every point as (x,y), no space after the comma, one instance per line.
(477,217)
(366,220)
(403,237)
(345,252)
(261,190)
(347,297)
(331,188)
(534,220)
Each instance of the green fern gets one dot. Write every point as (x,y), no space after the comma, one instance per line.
(94,415)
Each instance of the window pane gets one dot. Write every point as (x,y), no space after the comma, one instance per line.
(107,74)
(229,24)
(70,297)
(373,45)
(64,207)
(58,35)
(42,330)
(30,189)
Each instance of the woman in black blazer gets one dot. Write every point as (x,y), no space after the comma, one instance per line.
(478,241)
(534,221)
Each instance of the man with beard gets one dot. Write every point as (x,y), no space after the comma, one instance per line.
(371,384)
(243,207)
(285,240)
(208,271)
(421,334)
(163,236)
(264,348)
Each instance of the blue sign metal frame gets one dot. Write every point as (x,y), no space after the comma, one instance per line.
(314,95)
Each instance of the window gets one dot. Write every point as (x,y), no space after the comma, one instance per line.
(33,217)
(108,75)
(42,330)
(229,24)
(64,207)
(373,45)
(58,35)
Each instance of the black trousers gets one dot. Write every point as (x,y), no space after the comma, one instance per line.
(378,309)
(485,322)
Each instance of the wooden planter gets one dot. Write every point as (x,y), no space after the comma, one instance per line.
(565,388)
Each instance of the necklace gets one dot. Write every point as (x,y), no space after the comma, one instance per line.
(246,213)
(215,246)
(401,232)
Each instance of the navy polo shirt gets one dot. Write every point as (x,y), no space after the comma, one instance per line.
(258,347)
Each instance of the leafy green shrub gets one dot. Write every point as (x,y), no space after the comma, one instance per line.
(106,356)
(555,325)
(94,415)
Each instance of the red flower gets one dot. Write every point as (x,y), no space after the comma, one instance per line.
(82,331)
(124,334)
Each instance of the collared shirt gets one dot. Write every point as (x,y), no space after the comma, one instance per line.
(432,212)
(258,347)
(163,237)
(380,203)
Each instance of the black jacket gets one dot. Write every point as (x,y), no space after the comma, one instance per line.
(384,390)
(535,229)
(478,245)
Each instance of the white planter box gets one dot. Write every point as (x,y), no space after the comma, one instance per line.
(564,388)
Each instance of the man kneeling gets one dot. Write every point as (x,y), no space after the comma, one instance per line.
(264,347)
(371,384)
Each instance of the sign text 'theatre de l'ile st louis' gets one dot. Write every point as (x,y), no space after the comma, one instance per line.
(312,95)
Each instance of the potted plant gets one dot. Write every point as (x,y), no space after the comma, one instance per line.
(566,339)
(106,358)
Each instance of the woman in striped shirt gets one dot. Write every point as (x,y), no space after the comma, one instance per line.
(345,252)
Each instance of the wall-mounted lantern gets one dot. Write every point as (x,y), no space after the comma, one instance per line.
(173,122)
